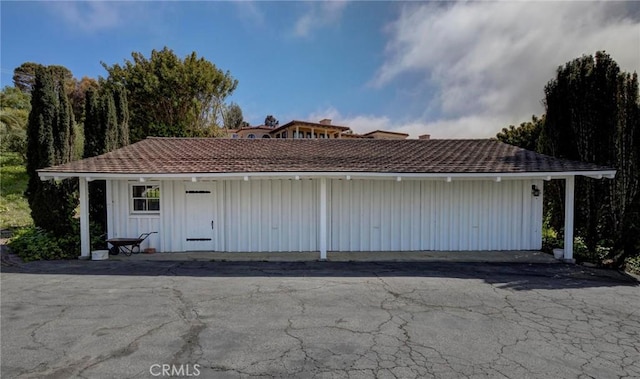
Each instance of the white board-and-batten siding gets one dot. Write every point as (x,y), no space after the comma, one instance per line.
(414,215)
(282,215)
(124,224)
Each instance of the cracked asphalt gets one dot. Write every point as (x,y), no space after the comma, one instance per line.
(115,319)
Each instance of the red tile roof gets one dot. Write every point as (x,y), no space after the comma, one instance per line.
(386,132)
(211,155)
(259,127)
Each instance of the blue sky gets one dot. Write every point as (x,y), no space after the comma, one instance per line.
(445,68)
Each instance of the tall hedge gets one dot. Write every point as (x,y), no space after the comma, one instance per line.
(50,142)
(106,128)
(593,115)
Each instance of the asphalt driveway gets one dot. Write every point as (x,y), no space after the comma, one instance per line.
(123,319)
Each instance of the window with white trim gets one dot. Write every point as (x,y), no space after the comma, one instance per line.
(145,198)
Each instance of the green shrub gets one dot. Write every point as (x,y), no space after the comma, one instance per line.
(581,253)
(550,243)
(632,264)
(33,243)
(550,239)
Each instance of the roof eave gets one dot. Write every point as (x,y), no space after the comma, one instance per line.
(596,174)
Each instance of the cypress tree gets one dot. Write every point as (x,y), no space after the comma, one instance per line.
(109,121)
(94,144)
(122,113)
(106,129)
(52,204)
(624,190)
(93,136)
(593,115)
(579,109)
(64,134)
(40,152)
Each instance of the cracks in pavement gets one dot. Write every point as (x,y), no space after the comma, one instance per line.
(77,367)
(191,350)
(571,327)
(423,359)
(41,345)
(127,350)
(356,326)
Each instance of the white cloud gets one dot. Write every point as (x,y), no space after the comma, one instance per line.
(95,16)
(91,16)
(249,13)
(318,14)
(489,62)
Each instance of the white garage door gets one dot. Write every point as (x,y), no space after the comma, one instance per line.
(384,215)
(271,215)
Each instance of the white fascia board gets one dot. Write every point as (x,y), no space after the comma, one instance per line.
(337,175)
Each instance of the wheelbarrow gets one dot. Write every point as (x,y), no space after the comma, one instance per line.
(127,246)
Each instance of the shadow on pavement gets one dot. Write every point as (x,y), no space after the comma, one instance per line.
(517,276)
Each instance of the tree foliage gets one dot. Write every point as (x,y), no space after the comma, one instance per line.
(93,134)
(49,142)
(624,191)
(122,115)
(592,115)
(14,115)
(106,125)
(169,96)
(232,116)
(24,80)
(25,74)
(78,94)
(271,121)
(63,129)
(106,129)
(526,135)
(12,97)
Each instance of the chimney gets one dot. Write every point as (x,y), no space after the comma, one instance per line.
(425,136)
(325,121)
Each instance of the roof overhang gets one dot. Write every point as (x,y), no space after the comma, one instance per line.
(196,176)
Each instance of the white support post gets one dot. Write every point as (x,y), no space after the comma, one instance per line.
(568,218)
(109,199)
(85,245)
(323,219)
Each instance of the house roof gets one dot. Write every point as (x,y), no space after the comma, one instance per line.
(259,127)
(310,124)
(179,156)
(386,132)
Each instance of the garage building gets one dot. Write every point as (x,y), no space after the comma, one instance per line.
(319,195)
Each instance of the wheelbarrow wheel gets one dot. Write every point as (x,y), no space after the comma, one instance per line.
(135,249)
(114,250)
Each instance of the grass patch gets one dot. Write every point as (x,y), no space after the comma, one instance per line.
(14,208)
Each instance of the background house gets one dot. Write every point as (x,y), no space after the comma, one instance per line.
(296,129)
